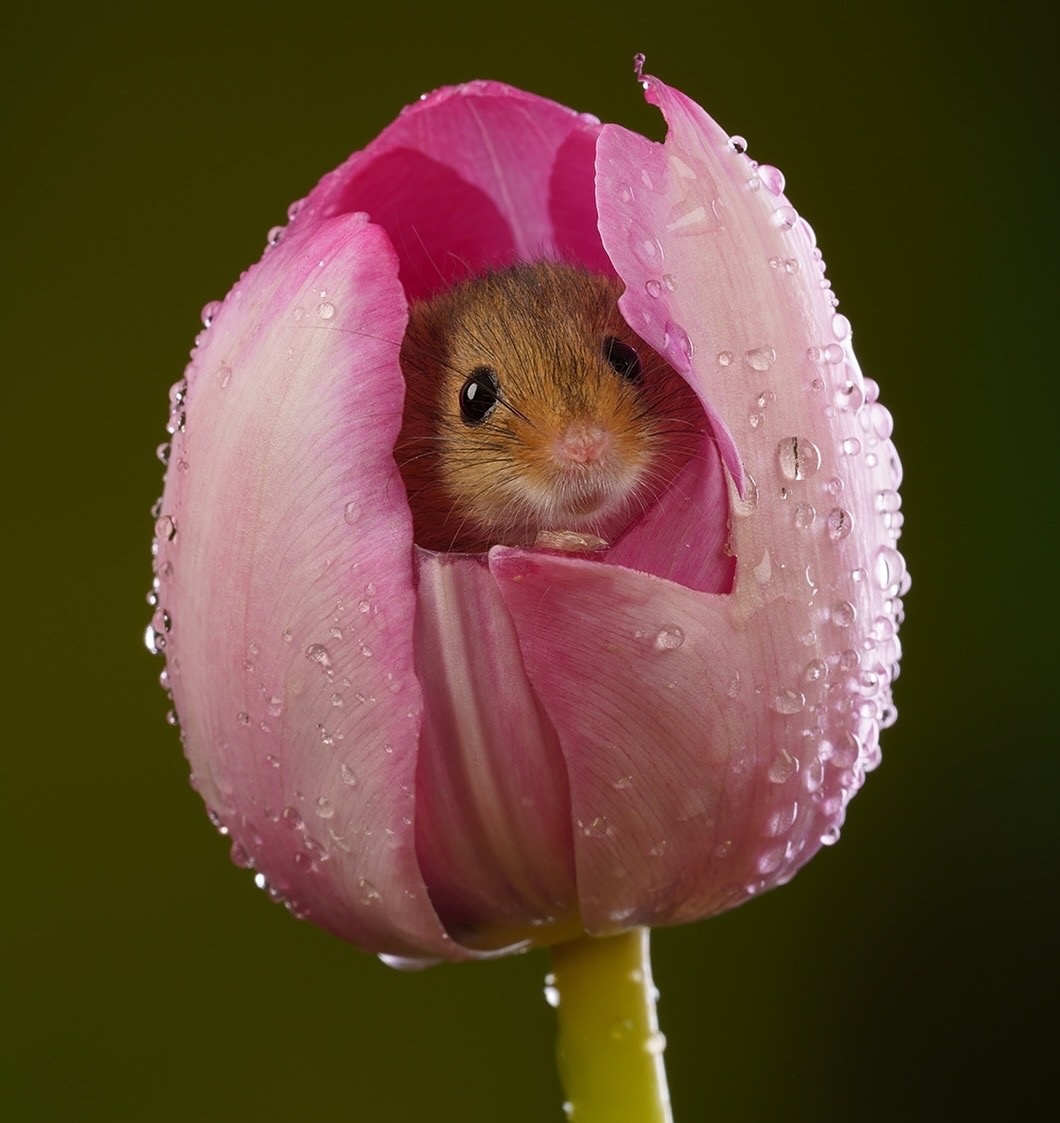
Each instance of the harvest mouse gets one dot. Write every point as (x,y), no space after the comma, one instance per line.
(534,414)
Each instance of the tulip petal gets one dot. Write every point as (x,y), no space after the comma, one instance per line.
(692,786)
(493,811)
(743,723)
(470,178)
(684,535)
(286,579)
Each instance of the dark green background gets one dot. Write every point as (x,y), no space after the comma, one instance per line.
(904,972)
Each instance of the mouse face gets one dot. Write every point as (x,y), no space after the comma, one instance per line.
(532,407)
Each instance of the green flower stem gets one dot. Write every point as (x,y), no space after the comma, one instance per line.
(609,1045)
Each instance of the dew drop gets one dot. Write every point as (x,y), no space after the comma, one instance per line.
(670,281)
(669,638)
(678,346)
(843,614)
(785,217)
(165,529)
(799,458)
(840,326)
(760,358)
(349,777)
(324,808)
(725,358)
(890,567)
(851,446)
(318,653)
(804,515)
(646,247)
(153,641)
(209,312)
(551,991)
(325,310)
(368,893)
(782,767)
(596,828)
(655,1045)
(738,144)
(789,702)
(773,181)
(848,397)
(816,670)
(840,524)
(291,819)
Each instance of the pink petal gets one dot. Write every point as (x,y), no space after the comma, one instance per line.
(684,535)
(712,743)
(469,178)
(286,579)
(493,811)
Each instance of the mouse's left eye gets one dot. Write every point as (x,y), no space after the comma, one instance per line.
(478,396)
(622,358)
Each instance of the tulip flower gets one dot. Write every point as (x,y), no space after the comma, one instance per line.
(443,756)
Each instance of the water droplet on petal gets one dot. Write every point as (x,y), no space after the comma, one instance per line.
(325,310)
(368,893)
(773,180)
(209,312)
(844,614)
(816,670)
(785,217)
(890,567)
(782,767)
(318,653)
(761,358)
(804,515)
(669,638)
(789,702)
(798,457)
(840,524)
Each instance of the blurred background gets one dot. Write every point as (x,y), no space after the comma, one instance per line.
(903,974)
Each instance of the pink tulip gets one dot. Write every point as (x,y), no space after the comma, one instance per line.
(442,756)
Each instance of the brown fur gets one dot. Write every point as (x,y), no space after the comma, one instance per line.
(540,328)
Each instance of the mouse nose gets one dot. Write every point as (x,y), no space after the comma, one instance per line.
(582,442)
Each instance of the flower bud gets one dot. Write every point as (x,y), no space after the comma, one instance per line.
(443,756)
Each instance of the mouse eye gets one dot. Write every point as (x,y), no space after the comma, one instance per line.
(478,396)
(623,359)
